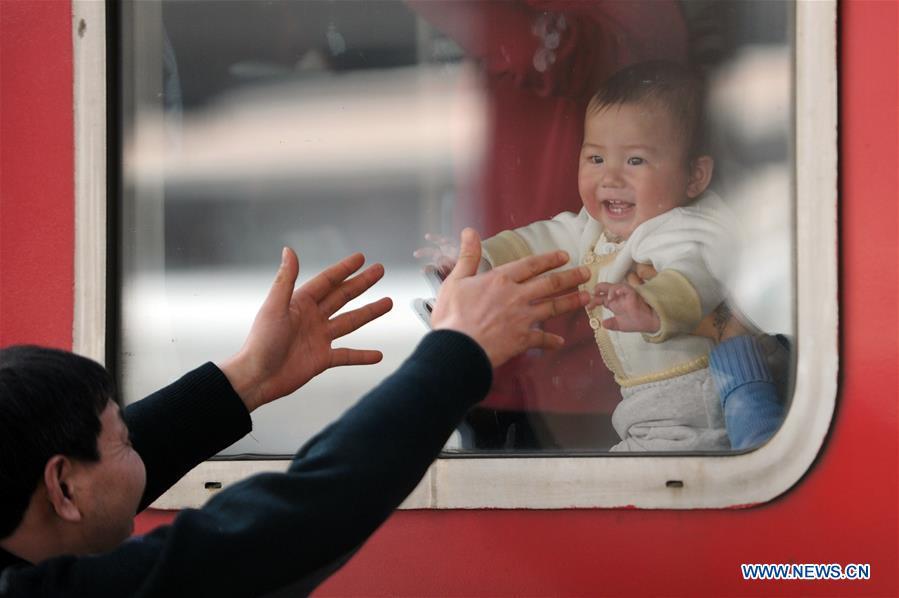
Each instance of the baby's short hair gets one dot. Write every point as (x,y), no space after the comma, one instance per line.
(679,89)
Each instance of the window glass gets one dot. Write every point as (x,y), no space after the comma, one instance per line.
(334,127)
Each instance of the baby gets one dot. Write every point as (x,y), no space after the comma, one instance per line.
(643,178)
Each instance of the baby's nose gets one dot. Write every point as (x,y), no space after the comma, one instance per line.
(611,177)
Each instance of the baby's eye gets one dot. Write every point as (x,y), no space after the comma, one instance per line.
(635,161)
(595,159)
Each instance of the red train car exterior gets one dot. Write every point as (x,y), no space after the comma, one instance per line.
(843,511)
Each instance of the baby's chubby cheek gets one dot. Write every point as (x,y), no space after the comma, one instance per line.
(589,200)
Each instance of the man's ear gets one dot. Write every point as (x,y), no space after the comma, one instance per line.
(700,175)
(58,474)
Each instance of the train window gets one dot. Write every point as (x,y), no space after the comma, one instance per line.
(341,126)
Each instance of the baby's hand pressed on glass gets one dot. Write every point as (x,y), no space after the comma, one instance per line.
(632,313)
(442,253)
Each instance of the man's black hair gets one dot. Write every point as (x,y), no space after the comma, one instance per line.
(676,88)
(50,404)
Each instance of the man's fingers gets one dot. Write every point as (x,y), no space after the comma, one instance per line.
(529,267)
(557,282)
(469,255)
(352,288)
(282,288)
(331,277)
(357,318)
(343,356)
(560,305)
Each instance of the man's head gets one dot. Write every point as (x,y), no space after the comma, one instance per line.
(644,148)
(65,457)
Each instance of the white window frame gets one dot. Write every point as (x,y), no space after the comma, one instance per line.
(670,482)
(89,95)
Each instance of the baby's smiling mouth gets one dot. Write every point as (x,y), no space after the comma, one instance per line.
(617,207)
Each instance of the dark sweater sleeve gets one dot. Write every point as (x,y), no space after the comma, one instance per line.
(180,426)
(278,529)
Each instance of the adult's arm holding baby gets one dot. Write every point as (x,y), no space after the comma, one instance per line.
(753,407)
(753,411)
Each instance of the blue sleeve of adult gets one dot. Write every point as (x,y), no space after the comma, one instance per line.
(752,410)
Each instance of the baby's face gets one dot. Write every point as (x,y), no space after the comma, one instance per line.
(632,167)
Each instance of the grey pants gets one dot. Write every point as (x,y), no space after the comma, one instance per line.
(678,414)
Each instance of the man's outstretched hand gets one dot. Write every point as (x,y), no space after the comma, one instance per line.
(290,340)
(501,308)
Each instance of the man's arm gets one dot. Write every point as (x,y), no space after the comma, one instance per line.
(180,426)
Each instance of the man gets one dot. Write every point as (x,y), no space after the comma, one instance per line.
(71,482)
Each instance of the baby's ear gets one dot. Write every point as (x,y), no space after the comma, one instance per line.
(700,175)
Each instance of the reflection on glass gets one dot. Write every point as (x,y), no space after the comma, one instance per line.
(341,126)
